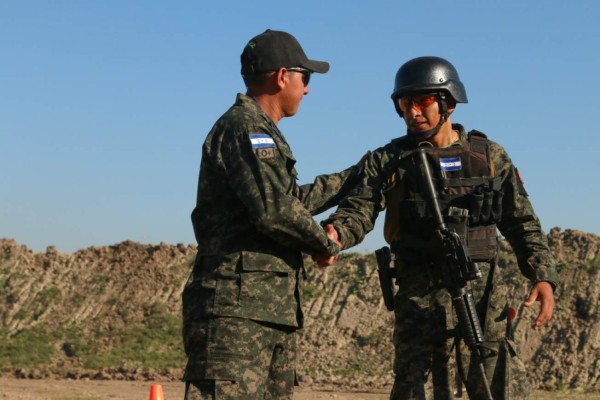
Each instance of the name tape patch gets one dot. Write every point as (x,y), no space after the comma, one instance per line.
(261,141)
(450,164)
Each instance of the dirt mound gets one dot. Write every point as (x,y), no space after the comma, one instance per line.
(114,313)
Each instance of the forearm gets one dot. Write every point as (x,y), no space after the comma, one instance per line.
(327,190)
(293,226)
(356,215)
(265,186)
(523,231)
(530,245)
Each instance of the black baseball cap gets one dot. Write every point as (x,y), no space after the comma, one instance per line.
(272,50)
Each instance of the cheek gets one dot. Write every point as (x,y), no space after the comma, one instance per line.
(432,116)
(299,94)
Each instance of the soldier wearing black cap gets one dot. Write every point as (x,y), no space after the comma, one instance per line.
(478,191)
(252,222)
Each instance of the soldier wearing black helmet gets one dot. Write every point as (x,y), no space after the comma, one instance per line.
(470,173)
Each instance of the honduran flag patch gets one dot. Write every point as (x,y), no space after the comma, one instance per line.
(261,141)
(450,164)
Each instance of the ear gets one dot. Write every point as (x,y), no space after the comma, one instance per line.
(451,106)
(282,77)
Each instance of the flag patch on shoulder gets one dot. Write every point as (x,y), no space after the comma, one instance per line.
(261,141)
(450,164)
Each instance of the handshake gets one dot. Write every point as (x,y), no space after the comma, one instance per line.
(325,260)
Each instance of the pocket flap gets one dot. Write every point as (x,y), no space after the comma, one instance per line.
(252,261)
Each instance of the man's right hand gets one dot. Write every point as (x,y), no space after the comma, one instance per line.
(325,260)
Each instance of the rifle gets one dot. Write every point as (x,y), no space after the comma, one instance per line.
(457,270)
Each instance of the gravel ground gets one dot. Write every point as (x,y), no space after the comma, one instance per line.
(46,389)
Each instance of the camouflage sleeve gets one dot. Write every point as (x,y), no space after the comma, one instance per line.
(327,190)
(264,183)
(357,212)
(520,226)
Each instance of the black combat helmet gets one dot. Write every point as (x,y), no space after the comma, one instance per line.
(429,75)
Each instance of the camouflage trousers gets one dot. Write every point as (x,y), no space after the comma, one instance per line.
(235,358)
(430,363)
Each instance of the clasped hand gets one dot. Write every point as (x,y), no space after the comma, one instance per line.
(325,260)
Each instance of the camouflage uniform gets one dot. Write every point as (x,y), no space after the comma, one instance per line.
(423,341)
(252,222)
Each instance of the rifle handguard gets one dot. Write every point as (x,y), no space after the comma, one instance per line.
(468,321)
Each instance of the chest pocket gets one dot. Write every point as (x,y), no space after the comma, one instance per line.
(254,261)
(290,162)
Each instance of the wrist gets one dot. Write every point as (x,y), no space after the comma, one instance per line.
(333,247)
(550,283)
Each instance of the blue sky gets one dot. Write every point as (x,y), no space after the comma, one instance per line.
(104,105)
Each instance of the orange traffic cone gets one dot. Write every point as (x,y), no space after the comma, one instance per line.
(156,392)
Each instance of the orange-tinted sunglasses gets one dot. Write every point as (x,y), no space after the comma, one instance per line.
(416,102)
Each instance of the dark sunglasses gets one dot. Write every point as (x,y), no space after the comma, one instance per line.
(416,102)
(305,74)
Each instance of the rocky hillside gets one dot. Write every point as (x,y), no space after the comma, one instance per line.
(113,313)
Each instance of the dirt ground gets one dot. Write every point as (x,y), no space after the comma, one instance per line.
(22,389)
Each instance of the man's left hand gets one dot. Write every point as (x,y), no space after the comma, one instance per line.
(542,292)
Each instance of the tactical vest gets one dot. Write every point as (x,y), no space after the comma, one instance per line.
(464,178)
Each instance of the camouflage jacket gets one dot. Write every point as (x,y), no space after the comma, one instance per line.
(356,214)
(252,221)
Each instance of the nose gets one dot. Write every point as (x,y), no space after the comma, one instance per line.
(414,112)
